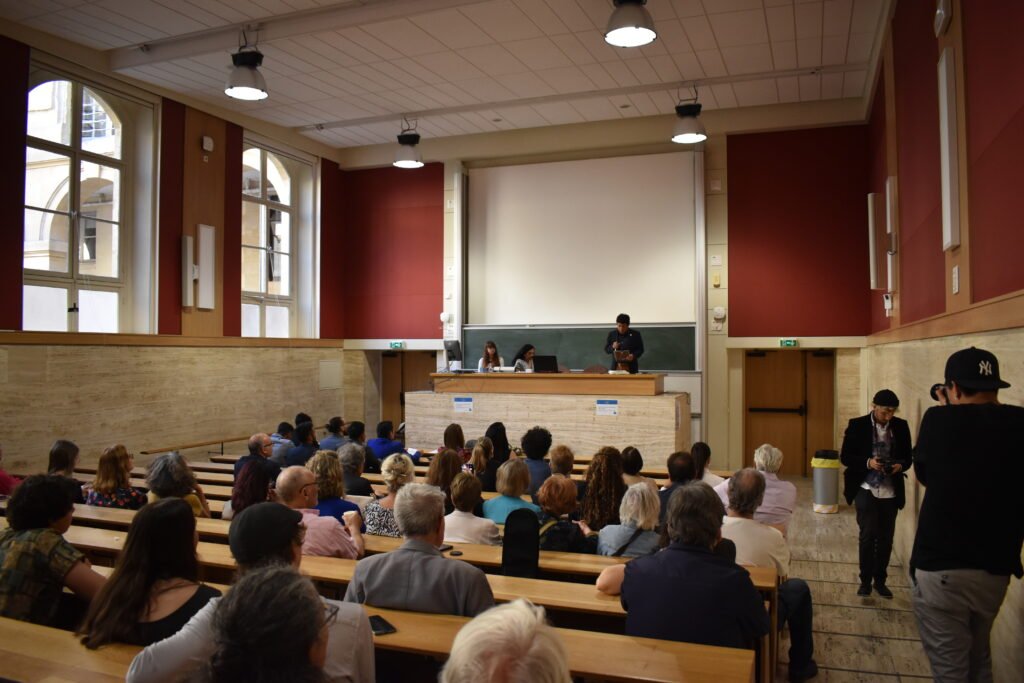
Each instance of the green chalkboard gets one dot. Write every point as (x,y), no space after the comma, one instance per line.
(666,348)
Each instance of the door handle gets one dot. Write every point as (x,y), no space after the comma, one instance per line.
(801,410)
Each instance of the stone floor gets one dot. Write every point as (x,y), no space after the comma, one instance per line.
(855,639)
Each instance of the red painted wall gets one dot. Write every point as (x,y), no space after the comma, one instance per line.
(13,125)
(172,194)
(922,263)
(393,259)
(798,248)
(332,251)
(233,231)
(994,71)
(877,172)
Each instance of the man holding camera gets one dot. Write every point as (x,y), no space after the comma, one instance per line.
(970,530)
(876,452)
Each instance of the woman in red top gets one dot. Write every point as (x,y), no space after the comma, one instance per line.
(7,482)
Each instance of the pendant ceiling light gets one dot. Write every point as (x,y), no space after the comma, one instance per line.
(408,155)
(630,25)
(245,82)
(689,130)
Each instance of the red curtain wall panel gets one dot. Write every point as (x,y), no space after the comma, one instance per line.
(13,124)
(172,193)
(233,231)
(333,253)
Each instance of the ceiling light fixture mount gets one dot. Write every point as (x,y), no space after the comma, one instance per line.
(245,82)
(689,129)
(408,156)
(630,25)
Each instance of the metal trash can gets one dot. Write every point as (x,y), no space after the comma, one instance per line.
(826,481)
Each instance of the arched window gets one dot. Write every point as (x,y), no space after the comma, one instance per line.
(75,237)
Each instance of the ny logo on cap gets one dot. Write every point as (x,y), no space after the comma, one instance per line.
(985,368)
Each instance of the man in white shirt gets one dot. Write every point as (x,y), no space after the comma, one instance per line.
(760,545)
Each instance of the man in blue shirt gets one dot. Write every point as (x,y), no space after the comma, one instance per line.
(385,444)
(334,439)
(306,448)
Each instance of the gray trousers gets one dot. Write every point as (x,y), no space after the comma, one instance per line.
(955,609)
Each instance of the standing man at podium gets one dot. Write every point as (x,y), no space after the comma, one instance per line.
(625,345)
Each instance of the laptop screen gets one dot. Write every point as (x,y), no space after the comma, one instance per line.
(545,364)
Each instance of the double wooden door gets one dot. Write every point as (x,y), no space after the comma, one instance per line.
(789,398)
(403,371)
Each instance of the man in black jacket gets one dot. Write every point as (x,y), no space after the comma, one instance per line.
(970,531)
(876,452)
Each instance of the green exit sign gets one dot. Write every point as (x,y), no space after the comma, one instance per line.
(789,343)
(397,344)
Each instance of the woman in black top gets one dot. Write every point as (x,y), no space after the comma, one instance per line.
(499,438)
(63,460)
(557,498)
(154,589)
(484,464)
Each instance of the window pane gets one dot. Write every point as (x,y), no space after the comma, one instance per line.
(278,263)
(46,179)
(250,320)
(251,172)
(46,241)
(279,230)
(98,247)
(252,276)
(101,191)
(48,107)
(279,183)
(251,233)
(44,309)
(277,322)
(101,130)
(97,311)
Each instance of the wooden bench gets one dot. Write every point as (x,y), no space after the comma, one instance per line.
(196,444)
(202,477)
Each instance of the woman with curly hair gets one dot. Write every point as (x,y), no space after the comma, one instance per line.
(397,470)
(605,489)
(330,486)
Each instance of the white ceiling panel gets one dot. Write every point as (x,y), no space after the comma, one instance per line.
(596,108)
(671,33)
(622,74)
(405,36)
(808,19)
(740,28)
(747,59)
(712,63)
(541,13)
(451,27)
(538,53)
(558,113)
(836,21)
(858,51)
(784,55)
(810,88)
(526,84)
(573,48)
(808,52)
(502,21)
(833,50)
(665,67)
(866,15)
(831,86)
(853,83)
(781,24)
(689,66)
(599,76)
(789,89)
(716,6)
(643,71)
(451,66)
(724,95)
(568,79)
(756,93)
(698,31)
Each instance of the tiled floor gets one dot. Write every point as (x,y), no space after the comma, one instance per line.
(855,639)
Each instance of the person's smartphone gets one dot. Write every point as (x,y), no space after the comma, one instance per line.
(468,468)
(444,547)
(380,626)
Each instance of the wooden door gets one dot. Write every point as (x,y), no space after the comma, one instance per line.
(821,396)
(390,390)
(774,397)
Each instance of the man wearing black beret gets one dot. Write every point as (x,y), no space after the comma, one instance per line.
(876,452)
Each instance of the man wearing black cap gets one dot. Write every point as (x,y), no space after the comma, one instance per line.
(876,452)
(970,530)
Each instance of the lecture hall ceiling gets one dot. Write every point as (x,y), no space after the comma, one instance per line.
(344,71)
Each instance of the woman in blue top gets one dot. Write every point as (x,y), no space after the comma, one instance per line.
(635,536)
(330,485)
(513,481)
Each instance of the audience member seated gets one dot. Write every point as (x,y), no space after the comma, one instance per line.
(510,643)
(779,496)
(154,589)
(605,488)
(330,485)
(442,471)
(169,476)
(263,535)
(499,439)
(635,535)
(112,487)
(272,626)
(562,460)
(557,498)
(357,435)
(63,461)
(760,545)
(282,440)
(351,458)
(253,485)
(416,576)
(260,448)
(536,443)
(335,434)
(325,536)
(484,464)
(513,480)
(385,443)
(688,593)
(36,563)
(455,440)
(7,482)
(632,463)
(701,453)
(298,455)
(397,471)
(302,418)
(461,525)
(681,471)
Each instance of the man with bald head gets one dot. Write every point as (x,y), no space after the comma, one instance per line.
(260,448)
(325,536)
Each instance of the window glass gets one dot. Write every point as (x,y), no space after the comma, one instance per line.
(97,311)
(46,241)
(49,105)
(101,130)
(47,177)
(101,191)
(251,172)
(98,250)
(277,321)
(45,309)
(279,183)
(278,261)
(250,320)
(252,269)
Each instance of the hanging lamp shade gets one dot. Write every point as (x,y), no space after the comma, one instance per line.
(408,155)
(630,25)
(245,82)
(689,130)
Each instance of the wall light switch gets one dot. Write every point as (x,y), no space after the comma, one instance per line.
(716,280)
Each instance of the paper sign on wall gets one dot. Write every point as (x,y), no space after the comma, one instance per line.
(462,404)
(607,406)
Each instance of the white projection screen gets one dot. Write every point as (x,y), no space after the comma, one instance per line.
(577,242)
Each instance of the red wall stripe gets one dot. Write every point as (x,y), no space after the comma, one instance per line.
(798,245)
(994,73)
(172,193)
(232,299)
(922,263)
(13,126)
(333,254)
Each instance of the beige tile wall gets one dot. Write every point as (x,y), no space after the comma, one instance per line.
(150,397)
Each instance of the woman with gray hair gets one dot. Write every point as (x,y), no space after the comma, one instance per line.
(779,496)
(635,536)
(352,457)
(169,476)
(379,515)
